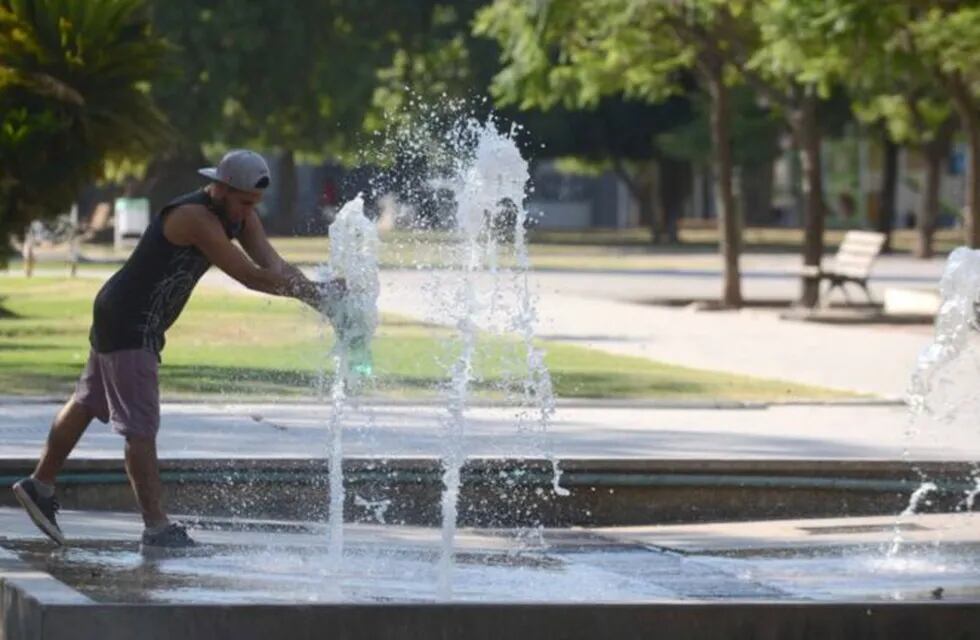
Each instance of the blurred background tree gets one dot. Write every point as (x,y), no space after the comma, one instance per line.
(74,96)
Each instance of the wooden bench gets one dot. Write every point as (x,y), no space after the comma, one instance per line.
(852,263)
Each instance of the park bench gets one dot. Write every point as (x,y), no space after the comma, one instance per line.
(851,264)
(62,240)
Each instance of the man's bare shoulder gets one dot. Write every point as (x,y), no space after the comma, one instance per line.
(185,223)
(190,211)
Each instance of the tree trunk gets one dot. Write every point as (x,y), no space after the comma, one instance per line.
(970,121)
(729,231)
(654,200)
(286,195)
(972,222)
(803,121)
(675,188)
(645,189)
(643,206)
(971,126)
(8,208)
(648,215)
(889,188)
(934,153)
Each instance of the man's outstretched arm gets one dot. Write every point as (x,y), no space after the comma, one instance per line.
(198,227)
(256,244)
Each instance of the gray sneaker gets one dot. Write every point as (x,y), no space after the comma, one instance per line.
(173,537)
(41,510)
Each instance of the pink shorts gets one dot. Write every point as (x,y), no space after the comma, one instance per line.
(121,387)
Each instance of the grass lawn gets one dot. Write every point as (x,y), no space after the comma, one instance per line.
(228,344)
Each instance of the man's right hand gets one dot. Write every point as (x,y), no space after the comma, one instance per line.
(324,296)
(333,288)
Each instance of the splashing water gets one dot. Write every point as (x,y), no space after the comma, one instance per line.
(956,323)
(971,495)
(537,384)
(335,549)
(354,246)
(941,393)
(487,178)
(918,496)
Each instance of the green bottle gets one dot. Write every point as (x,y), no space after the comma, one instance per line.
(359,360)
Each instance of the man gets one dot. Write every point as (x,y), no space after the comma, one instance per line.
(133,310)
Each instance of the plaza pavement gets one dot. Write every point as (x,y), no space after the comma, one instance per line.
(596,430)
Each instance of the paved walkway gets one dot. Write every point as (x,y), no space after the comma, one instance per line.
(611,312)
(831,432)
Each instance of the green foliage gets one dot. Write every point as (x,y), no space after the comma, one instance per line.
(818,42)
(908,118)
(74,80)
(948,36)
(570,53)
(573,53)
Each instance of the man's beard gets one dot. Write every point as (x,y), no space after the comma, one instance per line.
(218,206)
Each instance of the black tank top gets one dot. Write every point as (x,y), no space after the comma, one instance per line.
(140,301)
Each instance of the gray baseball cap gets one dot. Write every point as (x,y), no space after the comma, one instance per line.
(240,169)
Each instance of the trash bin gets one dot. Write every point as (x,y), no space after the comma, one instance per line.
(132,217)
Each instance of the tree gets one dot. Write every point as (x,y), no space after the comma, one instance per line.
(893,89)
(796,66)
(947,37)
(435,59)
(914,113)
(896,87)
(788,70)
(73,97)
(571,53)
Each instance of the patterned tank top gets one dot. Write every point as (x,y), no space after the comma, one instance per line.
(139,302)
